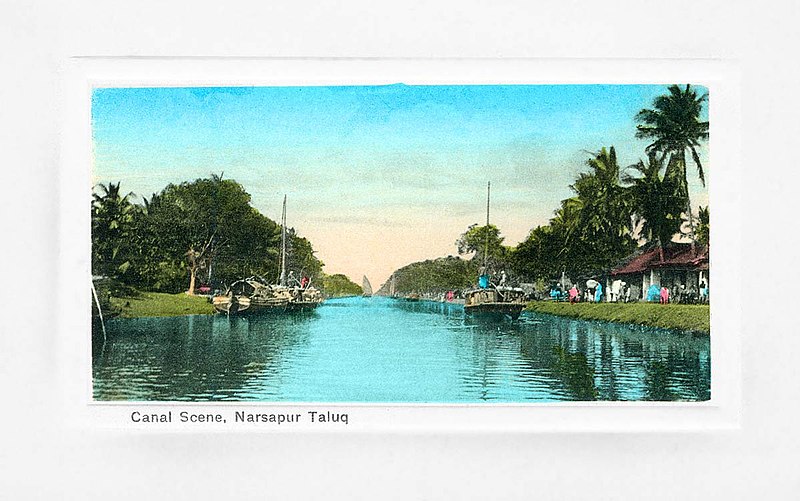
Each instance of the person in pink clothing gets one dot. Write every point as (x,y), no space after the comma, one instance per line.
(664,295)
(573,295)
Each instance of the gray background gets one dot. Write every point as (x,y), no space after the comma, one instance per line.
(39,460)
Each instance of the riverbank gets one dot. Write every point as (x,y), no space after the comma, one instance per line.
(670,316)
(157,304)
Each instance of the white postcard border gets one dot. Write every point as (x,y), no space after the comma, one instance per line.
(73,341)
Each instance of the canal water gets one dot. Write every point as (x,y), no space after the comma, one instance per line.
(387,350)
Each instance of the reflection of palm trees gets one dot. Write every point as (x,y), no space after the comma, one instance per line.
(574,370)
(614,366)
(656,380)
(608,369)
(554,351)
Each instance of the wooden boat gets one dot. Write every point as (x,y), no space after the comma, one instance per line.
(412,297)
(490,300)
(495,301)
(253,295)
(306,298)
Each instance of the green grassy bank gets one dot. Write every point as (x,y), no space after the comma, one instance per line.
(156,304)
(670,316)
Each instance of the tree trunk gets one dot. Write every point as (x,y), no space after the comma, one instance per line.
(192,274)
(192,270)
(688,200)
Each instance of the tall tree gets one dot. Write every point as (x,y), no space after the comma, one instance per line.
(657,198)
(603,208)
(589,231)
(597,221)
(674,125)
(112,218)
(204,230)
(485,242)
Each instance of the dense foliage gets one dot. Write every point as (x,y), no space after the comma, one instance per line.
(703,225)
(434,275)
(485,243)
(340,285)
(199,232)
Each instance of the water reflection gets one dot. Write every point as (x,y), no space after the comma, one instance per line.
(383,350)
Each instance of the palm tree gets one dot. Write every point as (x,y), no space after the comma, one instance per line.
(674,125)
(596,222)
(657,199)
(112,215)
(603,204)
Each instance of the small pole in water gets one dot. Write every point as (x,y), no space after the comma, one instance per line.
(100,311)
(486,246)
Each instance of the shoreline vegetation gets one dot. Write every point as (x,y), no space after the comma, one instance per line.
(688,317)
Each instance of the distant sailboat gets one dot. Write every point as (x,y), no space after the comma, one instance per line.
(393,287)
(367,288)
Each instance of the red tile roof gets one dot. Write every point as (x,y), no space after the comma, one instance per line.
(675,256)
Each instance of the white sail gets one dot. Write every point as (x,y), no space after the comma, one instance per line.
(365,285)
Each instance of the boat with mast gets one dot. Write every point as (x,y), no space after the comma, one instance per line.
(366,287)
(255,295)
(489,299)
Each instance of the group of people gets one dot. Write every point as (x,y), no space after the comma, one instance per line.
(590,294)
(621,292)
(679,294)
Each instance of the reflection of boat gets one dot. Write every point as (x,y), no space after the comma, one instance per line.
(253,295)
(490,299)
(366,287)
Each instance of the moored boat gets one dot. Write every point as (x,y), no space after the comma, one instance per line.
(253,295)
(495,301)
(489,299)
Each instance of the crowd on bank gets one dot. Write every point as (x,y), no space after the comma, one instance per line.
(620,292)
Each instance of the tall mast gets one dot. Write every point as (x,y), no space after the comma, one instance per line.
(486,247)
(283,244)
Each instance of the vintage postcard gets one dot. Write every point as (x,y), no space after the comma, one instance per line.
(385,244)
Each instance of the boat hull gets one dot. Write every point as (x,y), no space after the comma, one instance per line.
(303,305)
(231,305)
(248,306)
(512,310)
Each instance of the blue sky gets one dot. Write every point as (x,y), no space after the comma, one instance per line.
(377,176)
